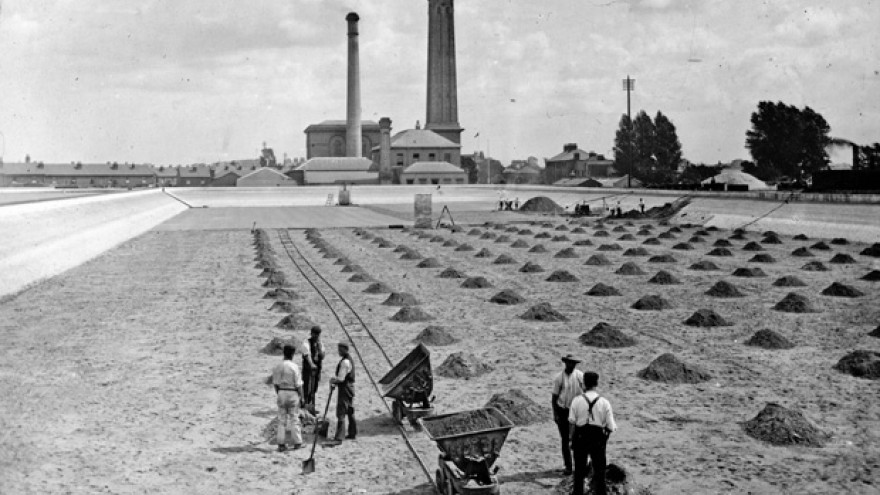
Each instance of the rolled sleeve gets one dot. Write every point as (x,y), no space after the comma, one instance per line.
(610,424)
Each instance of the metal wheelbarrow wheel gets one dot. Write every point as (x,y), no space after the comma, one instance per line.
(444,484)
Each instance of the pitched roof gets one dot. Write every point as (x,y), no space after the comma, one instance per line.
(729,176)
(432,168)
(195,171)
(421,138)
(166,172)
(525,169)
(336,164)
(336,124)
(266,171)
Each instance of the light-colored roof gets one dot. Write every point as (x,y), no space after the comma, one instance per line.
(166,172)
(420,138)
(336,164)
(195,171)
(730,176)
(618,181)
(266,171)
(567,156)
(336,124)
(525,169)
(433,168)
(78,170)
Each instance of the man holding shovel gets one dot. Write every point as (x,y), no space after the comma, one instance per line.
(344,380)
(288,386)
(567,385)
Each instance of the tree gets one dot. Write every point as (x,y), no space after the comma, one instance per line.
(469,165)
(624,146)
(644,134)
(667,148)
(785,140)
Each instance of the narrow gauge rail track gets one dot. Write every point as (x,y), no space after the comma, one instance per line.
(352,324)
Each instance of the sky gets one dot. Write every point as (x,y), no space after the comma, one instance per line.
(188,81)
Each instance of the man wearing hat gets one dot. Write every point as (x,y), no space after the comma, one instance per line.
(344,380)
(567,385)
(592,422)
(311,366)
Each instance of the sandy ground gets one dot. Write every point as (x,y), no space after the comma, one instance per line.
(143,374)
(301,217)
(16,195)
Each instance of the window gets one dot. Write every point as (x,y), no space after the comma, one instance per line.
(432,156)
(423,181)
(415,156)
(459,181)
(435,181)
(409,181)
(447,157)
(447,180)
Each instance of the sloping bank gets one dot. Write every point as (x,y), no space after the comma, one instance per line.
(40,240)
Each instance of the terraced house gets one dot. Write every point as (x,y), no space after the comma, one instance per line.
(77,174)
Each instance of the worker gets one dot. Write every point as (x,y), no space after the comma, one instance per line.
(642,205)
(288,389)
(311,366)
(591,423)
(567,385)
(516,204)
(344,380)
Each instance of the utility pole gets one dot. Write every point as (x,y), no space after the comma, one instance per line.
(629,85)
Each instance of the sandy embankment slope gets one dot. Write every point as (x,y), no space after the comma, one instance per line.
(43,239)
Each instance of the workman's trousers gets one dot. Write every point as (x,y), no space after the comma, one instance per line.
(288,417)
(311,378)
(589,441)
(563,425)
(345,409)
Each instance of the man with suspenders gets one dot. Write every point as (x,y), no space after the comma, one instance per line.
(592,422)
(344,381)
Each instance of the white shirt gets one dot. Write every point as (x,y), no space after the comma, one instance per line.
(567,387)
(602,415)
(286,375)
(344,369)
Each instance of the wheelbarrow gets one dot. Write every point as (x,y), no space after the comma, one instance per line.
(469,443)
(410,384)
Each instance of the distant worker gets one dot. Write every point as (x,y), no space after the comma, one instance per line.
(311,366)
(567,385)
(344,381)
(288,389)
(591,423)
(516,204)
(642,205)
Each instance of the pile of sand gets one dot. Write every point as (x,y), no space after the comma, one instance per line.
(475,231)
(542,235)
(562,276)
(438,238)
(771,240)
(518,407)
(267,272)
(872,276)
(702,232)
(722,243)
(281,295)
(343,260)
(738,237)
(512,229)
(663,278)
(578,230)
(666,235)
(295,322)
(561,228)
(401,299)
(530,267)
(385,244)
(873,250)
(663,258)
(462,365)
(428,263)
(815,266)
(601,233)
(768,339)
(597,260)
(795,303)
(476,283)
(435,336)
(802,252)
(720,252)
(619,228)
(762,258)
(525,232)
(724,289)
(602,290)
(464,247)
(507,297)
(652,241)
(275,347)
(639,251)
(266,263)
(560,238)
(360,278)
(643,233)
(276,280)
(704,266)
(402,248)
(450,243)
(504,260)
(706,318)
(683,246)
(801,237)
(377,288)
(749,272)
(696,239)
(352,269)
(451,273)
(583,242)
(538,248)
(543,312)
(842,259)
(281,307)
(668,369)
(629,268)
(839,241)
(502,238)
(566,253)
(780,426)
(609,247)
(411,254)
(651,303)
(519,243)
(411,313)
(607,337)
(789,281)
(860,364)
(541,204)
(837,289)
(488,235)
(821,246)
(626,237)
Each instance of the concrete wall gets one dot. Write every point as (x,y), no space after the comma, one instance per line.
(428,178)
(333,177)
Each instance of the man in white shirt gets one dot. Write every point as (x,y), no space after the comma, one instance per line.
(344,381)
(591,422)
(567,385)
(288,386)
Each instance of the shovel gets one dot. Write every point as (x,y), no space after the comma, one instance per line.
(309,464)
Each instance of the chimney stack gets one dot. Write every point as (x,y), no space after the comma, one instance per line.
(385,150)
(353,117)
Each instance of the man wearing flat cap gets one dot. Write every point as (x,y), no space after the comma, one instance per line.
(567,385)
(344,380)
